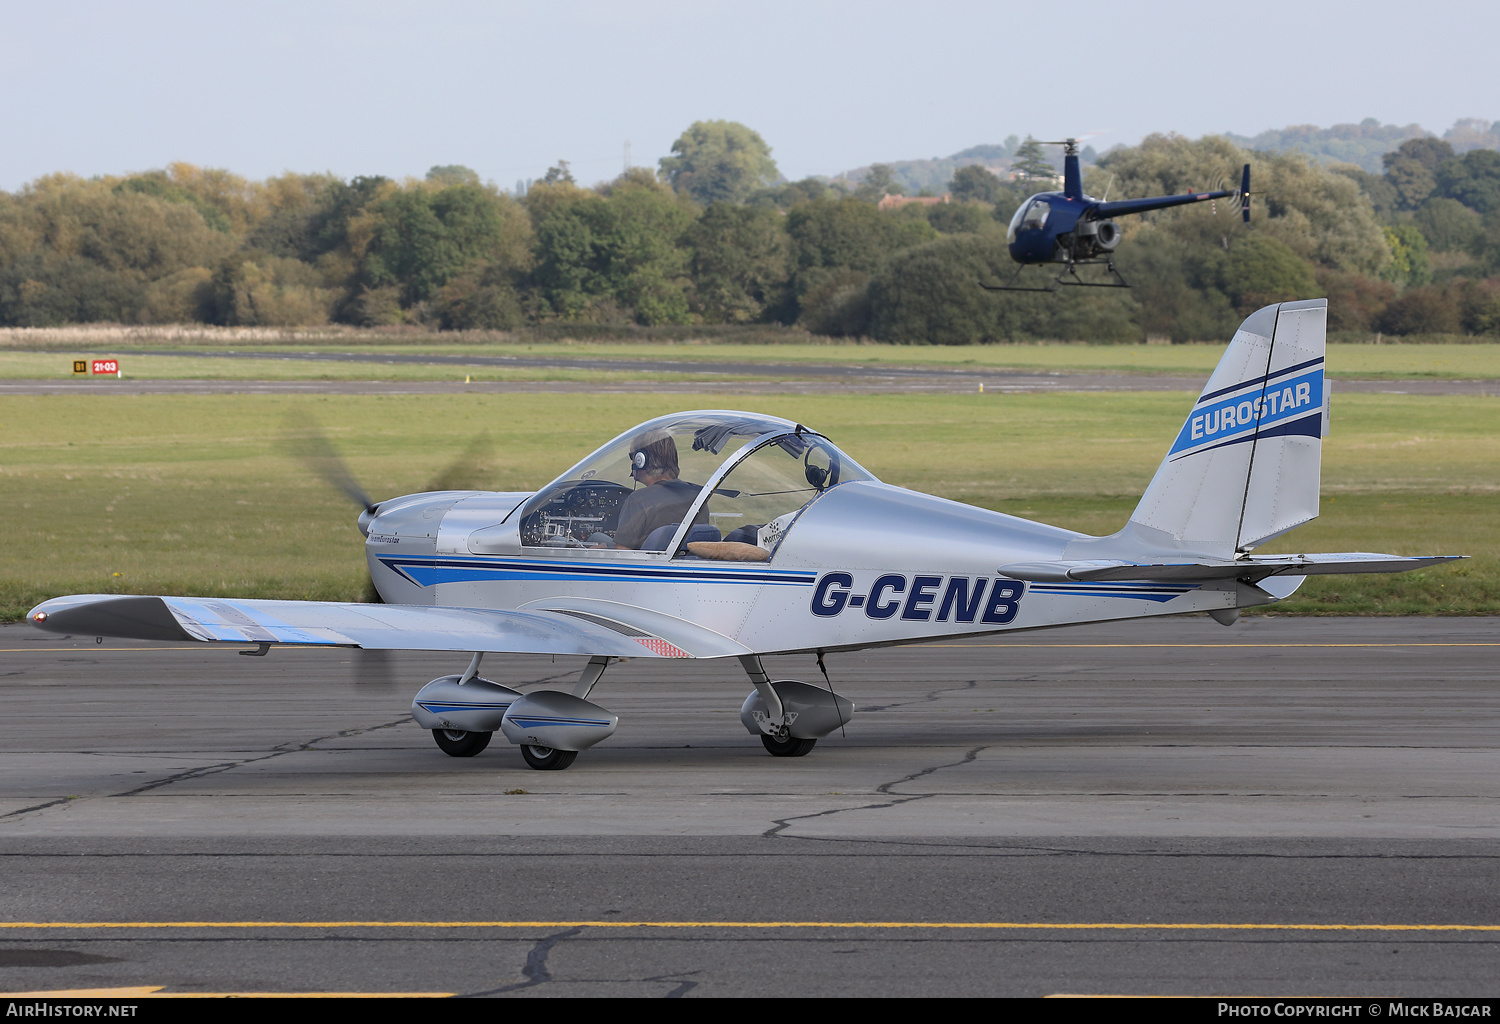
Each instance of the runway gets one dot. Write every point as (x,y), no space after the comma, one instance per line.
(1097,809)
(710,378)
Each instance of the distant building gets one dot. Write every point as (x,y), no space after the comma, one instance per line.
(890,202)
(1055,180)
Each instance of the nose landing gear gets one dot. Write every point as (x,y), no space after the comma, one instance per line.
(547,758)
(791,746)
(790,716)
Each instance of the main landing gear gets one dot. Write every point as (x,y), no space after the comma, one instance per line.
(551,727)
(461,743)
(458,743)
(464,712)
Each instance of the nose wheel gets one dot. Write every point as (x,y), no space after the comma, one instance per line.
(791,746)
(547,758)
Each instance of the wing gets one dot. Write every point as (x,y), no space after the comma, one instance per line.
(393,627)
(1250,569)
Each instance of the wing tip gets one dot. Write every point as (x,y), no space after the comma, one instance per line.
(130,617)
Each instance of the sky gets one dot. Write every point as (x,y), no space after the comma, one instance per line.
(508,89)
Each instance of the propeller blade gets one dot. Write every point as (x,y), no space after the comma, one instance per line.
(304,439)
(469,470)
(375,670)
(307,441)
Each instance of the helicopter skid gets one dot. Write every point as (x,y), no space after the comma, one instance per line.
(1067,278)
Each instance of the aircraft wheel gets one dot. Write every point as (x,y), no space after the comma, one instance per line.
(457,743)
(789,747)
(547,759)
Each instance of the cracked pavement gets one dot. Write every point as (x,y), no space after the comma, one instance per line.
(1332,770)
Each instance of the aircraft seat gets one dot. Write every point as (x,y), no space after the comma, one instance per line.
(659,538)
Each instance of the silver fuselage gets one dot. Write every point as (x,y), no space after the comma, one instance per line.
(863,564)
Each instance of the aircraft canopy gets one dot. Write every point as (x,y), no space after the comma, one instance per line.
(720,471)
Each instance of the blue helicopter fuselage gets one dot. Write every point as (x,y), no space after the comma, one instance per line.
(1038,223)
(1071,226)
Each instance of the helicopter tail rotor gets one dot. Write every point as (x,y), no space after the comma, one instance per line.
(1245,194)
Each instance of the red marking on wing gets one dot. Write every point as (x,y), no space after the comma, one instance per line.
(662,647)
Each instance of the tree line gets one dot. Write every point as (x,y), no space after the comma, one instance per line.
(715,235)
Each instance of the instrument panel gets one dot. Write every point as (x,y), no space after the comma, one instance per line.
(576,511)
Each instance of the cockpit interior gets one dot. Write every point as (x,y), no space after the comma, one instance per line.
(716,485)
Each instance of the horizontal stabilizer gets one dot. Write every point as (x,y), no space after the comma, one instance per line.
(1249,569)
(379,627)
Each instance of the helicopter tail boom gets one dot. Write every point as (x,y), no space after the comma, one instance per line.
(1123,207)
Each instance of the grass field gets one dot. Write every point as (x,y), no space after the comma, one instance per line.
(193,494)
(19,360)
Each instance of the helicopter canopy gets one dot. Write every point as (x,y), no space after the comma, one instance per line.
(1029,216)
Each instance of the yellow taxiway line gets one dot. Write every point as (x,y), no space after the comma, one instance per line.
(156,992)
(818,925)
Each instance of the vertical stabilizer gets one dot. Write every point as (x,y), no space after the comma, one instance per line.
(1245,467)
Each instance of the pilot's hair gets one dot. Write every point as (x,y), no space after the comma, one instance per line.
(660,450)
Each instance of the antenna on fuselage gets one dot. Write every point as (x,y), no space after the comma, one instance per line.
(824,669)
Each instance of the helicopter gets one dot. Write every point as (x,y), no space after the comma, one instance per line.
(1075,229)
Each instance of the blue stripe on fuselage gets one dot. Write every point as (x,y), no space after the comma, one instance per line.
(1096,590)
(430,571)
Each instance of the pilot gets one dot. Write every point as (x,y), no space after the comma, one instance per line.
(662,499)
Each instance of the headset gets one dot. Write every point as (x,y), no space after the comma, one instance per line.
(642,459)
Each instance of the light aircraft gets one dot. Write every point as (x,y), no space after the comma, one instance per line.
(1075,229)
(782,543)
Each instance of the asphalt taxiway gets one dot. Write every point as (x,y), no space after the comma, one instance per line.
(1284,807)
(710,378)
